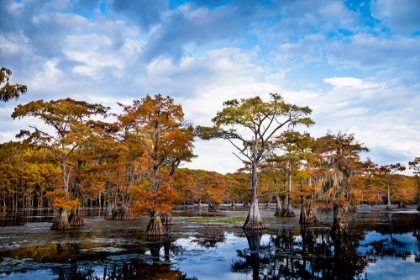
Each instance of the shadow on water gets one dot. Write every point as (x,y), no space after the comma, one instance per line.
(380,245)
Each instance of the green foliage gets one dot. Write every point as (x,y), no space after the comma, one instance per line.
(8,91)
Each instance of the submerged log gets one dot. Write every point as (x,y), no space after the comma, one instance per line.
(155,226)
(253,220)
(61,220)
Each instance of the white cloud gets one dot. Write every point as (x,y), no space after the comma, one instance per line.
(341,82)
(315,53)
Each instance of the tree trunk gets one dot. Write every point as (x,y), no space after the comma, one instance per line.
(279,209)
(307,215)
(389,207)
(339,231)
(155,243)
(287,208)
(167,219)
(155,226)
(75,219)
(61,220)
(253,220)
(289,211)
(111,210)
(123,214)
(213,207)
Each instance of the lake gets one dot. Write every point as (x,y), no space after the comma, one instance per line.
(204,245)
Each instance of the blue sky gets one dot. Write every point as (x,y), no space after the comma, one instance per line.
(355,63)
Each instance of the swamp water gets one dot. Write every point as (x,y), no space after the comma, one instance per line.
(201,245)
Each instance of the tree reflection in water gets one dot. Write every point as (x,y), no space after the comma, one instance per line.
(308,254)
(135,269)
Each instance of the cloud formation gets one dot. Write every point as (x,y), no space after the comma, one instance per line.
(356,64)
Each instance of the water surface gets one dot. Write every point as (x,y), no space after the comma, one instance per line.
(202,245)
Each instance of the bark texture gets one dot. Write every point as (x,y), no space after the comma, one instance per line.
(339,231)
(167,219)
(279,207)
(287,208)
(307,214)
(61,220)
(111,210)
(123,214)
(155,226)
(253,220)
(75,218)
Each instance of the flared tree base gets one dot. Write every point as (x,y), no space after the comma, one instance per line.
(155,226)
(61,220)
(75,219)
(278,212)
(253,220)
(289,213)
(389,208)
(307,215)
(339,230)
(167,219)
(123,215)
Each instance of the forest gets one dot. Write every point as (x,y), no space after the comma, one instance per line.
(130,163)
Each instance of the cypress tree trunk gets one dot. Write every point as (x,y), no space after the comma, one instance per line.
(389,207)
(287,208)
(307,215)
(155,243)
(288,211)
(61,220)
(253,220)
(111,210)
(75,219)
(167,219)
(155,226)
(123,214)
(339,231)
(279,206)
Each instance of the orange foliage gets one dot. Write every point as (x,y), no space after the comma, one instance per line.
(146,202)
(60,199)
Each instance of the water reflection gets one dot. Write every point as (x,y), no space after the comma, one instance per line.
(379,245)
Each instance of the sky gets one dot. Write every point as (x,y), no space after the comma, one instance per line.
(356,64)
